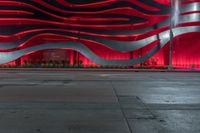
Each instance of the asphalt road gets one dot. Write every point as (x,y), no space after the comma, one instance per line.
(99,102)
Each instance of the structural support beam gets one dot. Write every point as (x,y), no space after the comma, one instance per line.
(171,37)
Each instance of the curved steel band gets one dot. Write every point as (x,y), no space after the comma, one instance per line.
(122,46)
(164,37)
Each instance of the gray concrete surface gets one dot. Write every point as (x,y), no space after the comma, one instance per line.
(99,102)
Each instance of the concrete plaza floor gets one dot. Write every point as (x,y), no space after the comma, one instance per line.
(99,102)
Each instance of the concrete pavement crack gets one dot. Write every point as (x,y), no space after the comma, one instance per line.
(121,108)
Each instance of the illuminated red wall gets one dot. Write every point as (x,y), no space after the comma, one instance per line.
(97,25)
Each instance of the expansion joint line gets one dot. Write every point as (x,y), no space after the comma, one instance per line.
(121,108)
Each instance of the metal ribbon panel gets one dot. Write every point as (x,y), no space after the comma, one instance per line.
(27,26)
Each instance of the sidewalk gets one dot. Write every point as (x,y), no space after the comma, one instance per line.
(99,70)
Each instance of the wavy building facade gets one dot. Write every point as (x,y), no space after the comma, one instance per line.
(100,32)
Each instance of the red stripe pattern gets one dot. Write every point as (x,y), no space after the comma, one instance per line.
(118,25)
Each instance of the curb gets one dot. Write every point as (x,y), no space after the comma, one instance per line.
(92,70)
